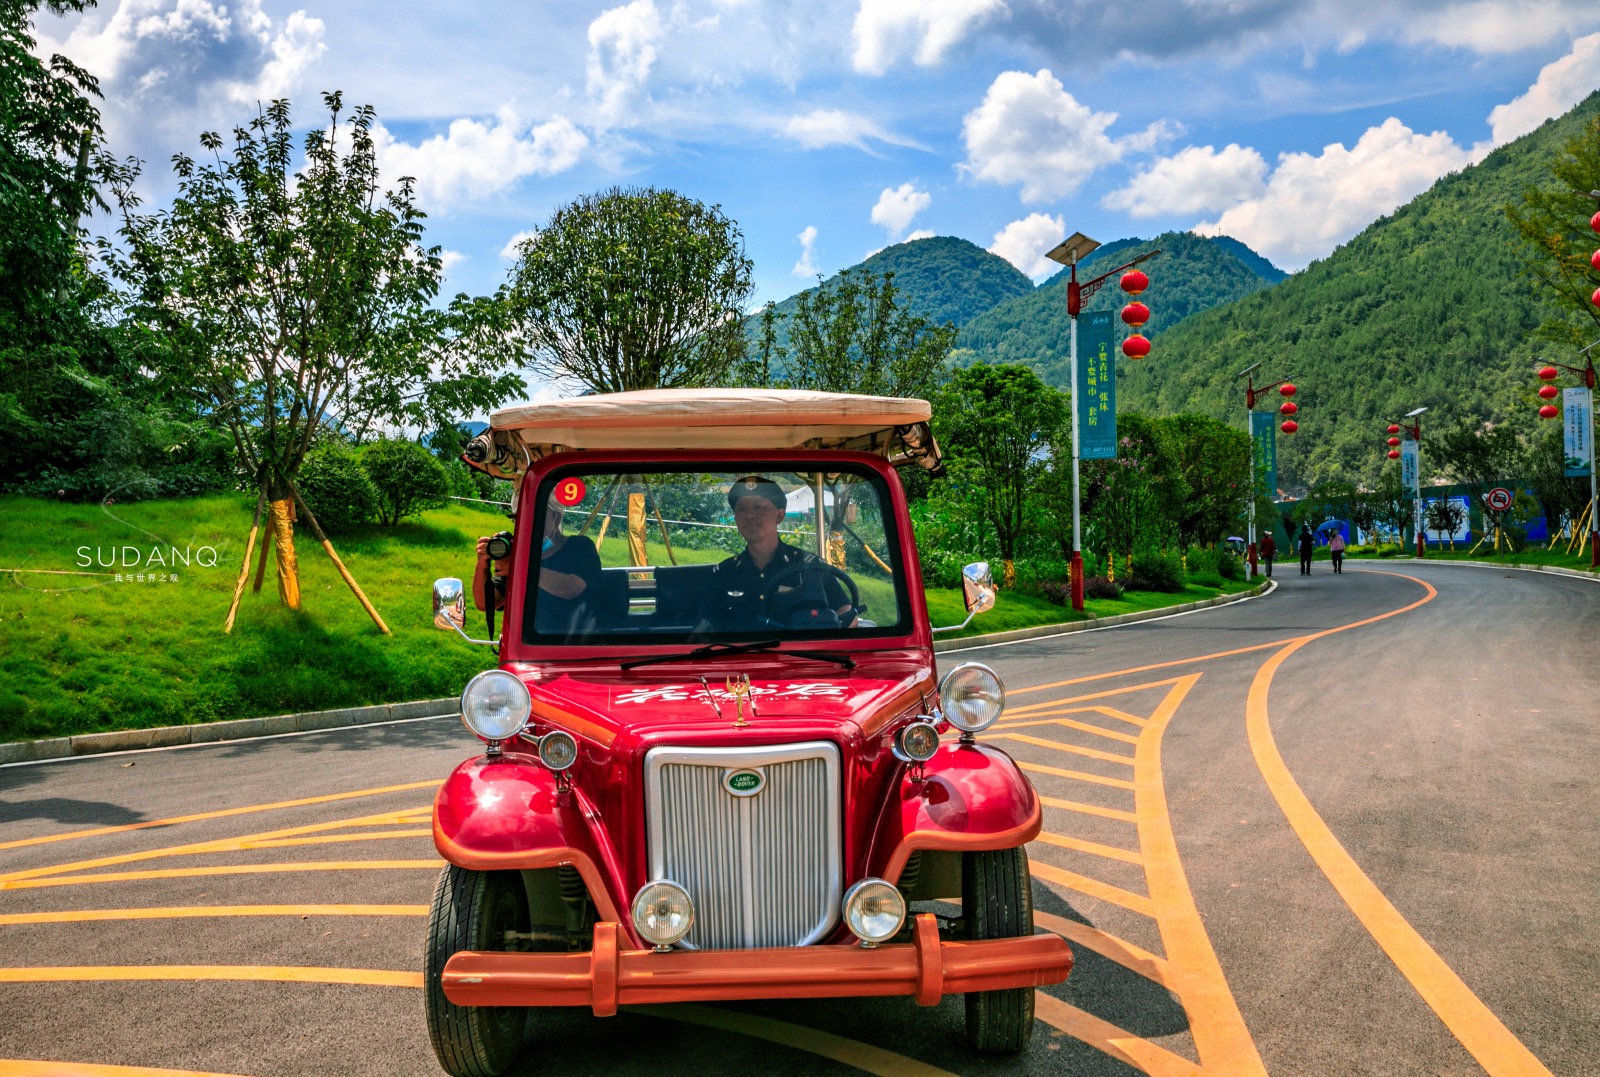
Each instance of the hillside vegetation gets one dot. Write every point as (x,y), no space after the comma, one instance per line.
(1430,306)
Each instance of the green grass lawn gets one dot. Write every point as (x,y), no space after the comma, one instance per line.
(86,653)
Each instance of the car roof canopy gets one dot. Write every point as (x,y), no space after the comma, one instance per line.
(687,419)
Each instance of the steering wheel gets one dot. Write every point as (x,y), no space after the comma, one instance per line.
(770,588)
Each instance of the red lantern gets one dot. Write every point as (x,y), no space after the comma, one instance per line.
(1289,426)
(1287,388)
(1134,281)
(1548,391)
(1394,454)
(1549,411)
(1136,347)
(1394,428)
(1549,373)
(1594,259)
(1595,299)
(1594,222)
(1288,407)
(1393,442)
(1136,314)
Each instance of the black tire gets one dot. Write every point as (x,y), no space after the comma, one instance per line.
(472,910)
(997,903)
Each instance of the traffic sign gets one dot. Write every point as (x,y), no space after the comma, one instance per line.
(1499,499)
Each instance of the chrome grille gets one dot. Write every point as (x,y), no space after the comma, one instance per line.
(762,870)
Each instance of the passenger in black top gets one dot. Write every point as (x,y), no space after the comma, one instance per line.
(568,567)
(761,587)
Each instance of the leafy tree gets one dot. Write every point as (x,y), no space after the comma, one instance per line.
(293,297)
(1553,224)
(338,488)
(407,478)
(1444,516)
(632,289)
(1480,458)
(1133,498)
(1326,501)
(1391,504)
(996,424)
(1213,461)
(1562,499)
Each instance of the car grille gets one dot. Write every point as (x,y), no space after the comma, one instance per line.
(763,869)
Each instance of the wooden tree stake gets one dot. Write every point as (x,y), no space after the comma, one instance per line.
(316,529)
(244,568)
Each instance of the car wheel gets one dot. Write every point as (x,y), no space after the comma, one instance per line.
(997,903)
(472,910)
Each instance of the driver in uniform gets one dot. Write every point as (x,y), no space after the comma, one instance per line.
(737,596)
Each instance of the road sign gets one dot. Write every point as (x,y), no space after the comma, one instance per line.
(1499,499)
(1264,442)
(1577,410)
(1095,395)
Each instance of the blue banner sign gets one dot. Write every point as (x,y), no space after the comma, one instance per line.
(1577,407)
(1095,395)
(1264,443)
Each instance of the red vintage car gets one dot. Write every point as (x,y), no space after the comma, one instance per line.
(720,762)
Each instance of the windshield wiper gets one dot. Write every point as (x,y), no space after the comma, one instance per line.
(711,650)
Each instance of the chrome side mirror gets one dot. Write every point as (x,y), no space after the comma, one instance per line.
(450,609)
(977,591)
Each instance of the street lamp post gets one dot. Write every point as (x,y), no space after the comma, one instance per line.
(1586,373)
(1067,253)
(1415,430)
(1285,389)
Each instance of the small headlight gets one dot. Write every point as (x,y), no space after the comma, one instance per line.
(972,697)
(874,911)
(662,913)
(557,750)
(916,742)
(495,705)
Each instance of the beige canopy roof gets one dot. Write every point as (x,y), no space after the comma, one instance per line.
(670,419)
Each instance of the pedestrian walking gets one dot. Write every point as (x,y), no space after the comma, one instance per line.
(1269,549)
(1307,544)
(1336,551)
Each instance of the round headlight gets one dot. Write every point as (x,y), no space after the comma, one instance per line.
(495,705)
(557,750)
(662,913)
(971,697)
(874,911)
(916,742)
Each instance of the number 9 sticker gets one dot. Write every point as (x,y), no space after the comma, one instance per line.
(569,492)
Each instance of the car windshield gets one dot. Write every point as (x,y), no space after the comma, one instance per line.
(712,556)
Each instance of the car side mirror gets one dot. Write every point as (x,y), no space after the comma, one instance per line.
(450,609)
(977,591)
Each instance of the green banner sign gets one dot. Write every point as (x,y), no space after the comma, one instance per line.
(1264,443)
(1095,395)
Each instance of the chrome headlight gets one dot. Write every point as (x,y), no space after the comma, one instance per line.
(916,743)
(972,697)
(662,913)
(558,750)
(874,911)
(495,705)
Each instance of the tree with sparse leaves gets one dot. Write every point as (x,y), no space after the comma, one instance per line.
(1553,223)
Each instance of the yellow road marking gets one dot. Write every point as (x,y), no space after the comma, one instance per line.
(1075,775)
(282,843)
(1109,712)
(1104,1036)
(20,1067)
(1082,727)
(225,869)
(862,1056)
(1088,809)
(1083,884)
(1121,951)
(184,911)
(220,814)
(272,973)
(1093,848)
(1463,1013)
(1090,753)
(1142,669)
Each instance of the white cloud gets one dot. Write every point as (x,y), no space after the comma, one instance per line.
(885,30)
(1493,26)
(622,50)
(293,49)
(1312,204)
(1024,243)
(920,233)
(1196,179)
(476,158)
(898,206)
(1560,85)
(806,267)
(834,127)
(448,260)
(511,251)
(1029,130)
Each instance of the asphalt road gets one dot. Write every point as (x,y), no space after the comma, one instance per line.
(1348,828)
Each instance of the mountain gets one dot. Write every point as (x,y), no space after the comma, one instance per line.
(1431,306)
(1192,273)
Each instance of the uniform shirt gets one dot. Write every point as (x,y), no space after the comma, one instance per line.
(734,600)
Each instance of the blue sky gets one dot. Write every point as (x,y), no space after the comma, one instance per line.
(830,128)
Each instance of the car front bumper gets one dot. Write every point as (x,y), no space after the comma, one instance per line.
(606,977)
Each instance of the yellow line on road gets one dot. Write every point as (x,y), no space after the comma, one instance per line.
(1121,951)
(174,820)
(20,1067)
(1088,809)
(176,912)
(1029,714)
(1079,845)
(1084,727)
(1463,1013)
(1089,753)
(1124,1046)
(271,973)
(1139,669)
(1076,775)
(225,869)
(329,839)
(1093,887)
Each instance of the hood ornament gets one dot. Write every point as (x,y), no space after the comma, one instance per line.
(739,689)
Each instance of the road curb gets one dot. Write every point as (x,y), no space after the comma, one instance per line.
(1555,570)
(1047,631)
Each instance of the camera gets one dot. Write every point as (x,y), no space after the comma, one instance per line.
(499,546)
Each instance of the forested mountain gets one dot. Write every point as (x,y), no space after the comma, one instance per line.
(1192,273)
(1431,306)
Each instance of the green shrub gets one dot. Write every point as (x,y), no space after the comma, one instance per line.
(1230,566)
(1201,561)
(1100,587)
(337,488)
(1157,570)
(409,479)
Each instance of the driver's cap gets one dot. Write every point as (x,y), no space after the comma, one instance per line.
(756,486)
